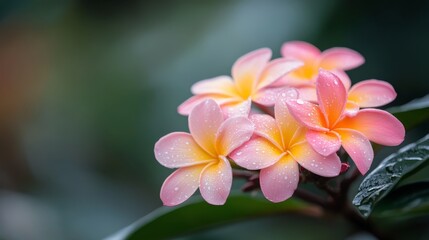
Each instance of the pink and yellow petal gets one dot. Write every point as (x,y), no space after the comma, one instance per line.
(266,127)
(377,125)
(279,181)
(307,114)
(256,154)
(247,70)
(351,109)
(285,121)
(222,85)
(325,143)
(179,149)
(326,166)
(204,122)
(232,134)
(275,70)
(372,93)
(216,182)
(332,96)
(180,185)
(345,79)
(237,108)
(358,147)
(341,58)
(300,50)
(269,96)
(186,107)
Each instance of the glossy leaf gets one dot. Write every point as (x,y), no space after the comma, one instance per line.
(168,222)
(412,113)
(406,201)
(388,174)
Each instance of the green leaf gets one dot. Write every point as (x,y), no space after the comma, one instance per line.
(412,113)
(406,201)
(168,222)
(387,175)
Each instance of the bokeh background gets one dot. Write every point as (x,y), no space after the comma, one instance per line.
(87,87)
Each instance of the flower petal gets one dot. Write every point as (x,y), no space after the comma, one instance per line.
(266,127)
(276,69)
(268,96)
(222,85)
(351,109)
(377,125)
(186,107)
(299,50)
(345,79)
(341,58)
(308,93)
(237,108)
(204,122)
(232,134)
(216,182)
(332,96)
(325,143)
(180,185)
(372,93)
(256,154)
(328,166)
(248,68)
(279,181)
(179,149)
(308,114)
(358,147)
(286,122)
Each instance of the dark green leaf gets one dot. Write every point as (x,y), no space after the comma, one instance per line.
(412,113)
(405,201)
(390,171)
(168,222)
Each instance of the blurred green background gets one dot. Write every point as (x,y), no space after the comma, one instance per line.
(87,87)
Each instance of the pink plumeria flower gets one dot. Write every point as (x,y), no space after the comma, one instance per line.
(252,76)
(368,93)
(337,60)
(277,148)
(201,156)
(330,128)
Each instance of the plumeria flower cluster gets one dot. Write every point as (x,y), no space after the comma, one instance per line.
(316,113)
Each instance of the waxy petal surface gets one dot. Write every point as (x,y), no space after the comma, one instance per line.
(235,109)
(186,107)
(279,181)
(248,68)
(325,143)
(308,114)
(359,149)
(341,58)
(328,166)
(276,69)
(300,50)
(269,96)
(232,134)
(286,122)
(222,85)
(266,127)
(372,93)
(332,96)
(180,185)
(179,149)
(204,122)
(256,154)
(377,125)
(216,182)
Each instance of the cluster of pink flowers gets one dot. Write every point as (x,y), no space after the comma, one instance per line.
(316,112)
